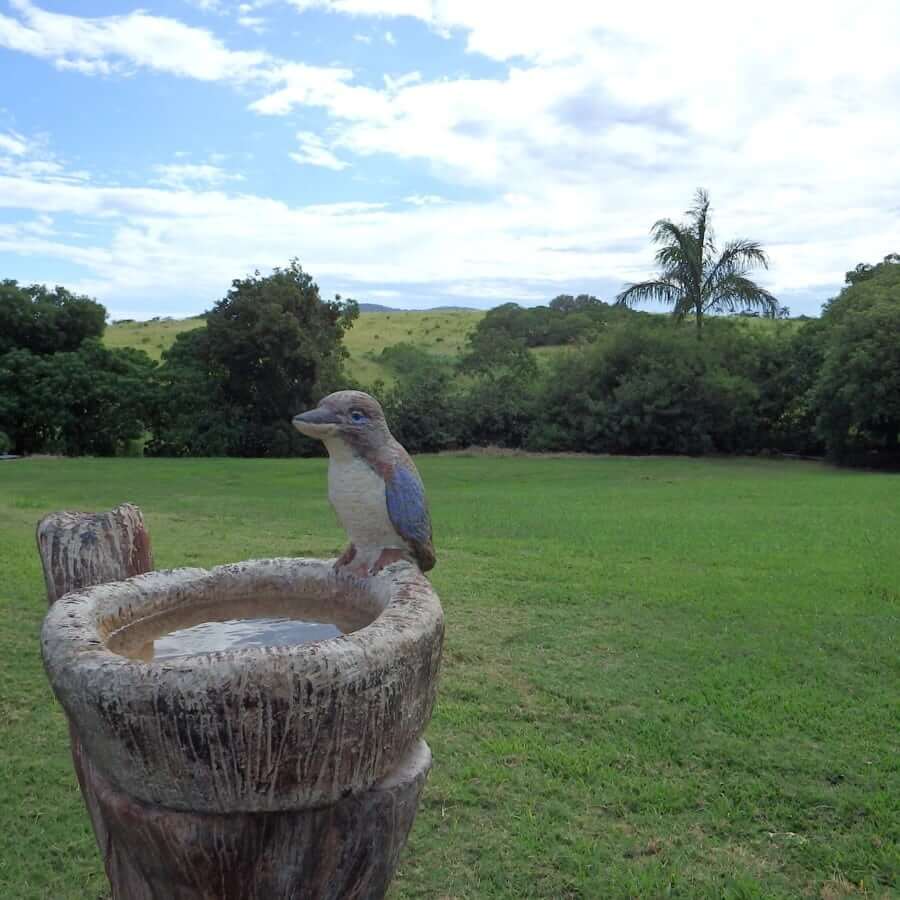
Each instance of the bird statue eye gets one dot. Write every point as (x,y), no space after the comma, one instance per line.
(357,417)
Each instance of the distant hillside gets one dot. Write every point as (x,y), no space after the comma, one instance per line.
(378,307)
(439,332)
(152,336)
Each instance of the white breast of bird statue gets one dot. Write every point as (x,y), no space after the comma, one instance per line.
(373,485)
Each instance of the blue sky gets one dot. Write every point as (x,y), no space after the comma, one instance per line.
(422,152)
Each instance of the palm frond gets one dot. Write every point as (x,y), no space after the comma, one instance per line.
(734,292)
(658,291)
(737,257)
(680,256)
(670,235)
(699,212)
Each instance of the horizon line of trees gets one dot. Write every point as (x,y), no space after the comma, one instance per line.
(623,382)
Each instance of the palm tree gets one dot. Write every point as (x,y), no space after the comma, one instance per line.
(695,278)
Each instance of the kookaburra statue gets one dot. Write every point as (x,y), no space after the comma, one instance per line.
(373,485)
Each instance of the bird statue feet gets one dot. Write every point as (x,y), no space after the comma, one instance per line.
(361,567)
(346,557)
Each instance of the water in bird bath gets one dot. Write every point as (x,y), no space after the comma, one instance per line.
(234,625)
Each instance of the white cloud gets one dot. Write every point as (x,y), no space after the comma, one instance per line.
(179,175)
(423,199)
(395,84)
(514,247)
(42,225)
(362,38)
(390,39)
(29,158)
(303,85)
(418,9)
(13,144)
(254,23)
(105,44)
(604,121)
(313,152)
(85,66)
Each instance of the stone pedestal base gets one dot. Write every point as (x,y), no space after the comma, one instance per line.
(347,851)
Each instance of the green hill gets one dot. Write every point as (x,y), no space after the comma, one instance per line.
(441,332)
(152,336)
(437,332)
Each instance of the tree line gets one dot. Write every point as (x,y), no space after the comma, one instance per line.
(617,380)
(641,383)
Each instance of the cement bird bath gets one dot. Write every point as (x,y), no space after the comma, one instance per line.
(251,772)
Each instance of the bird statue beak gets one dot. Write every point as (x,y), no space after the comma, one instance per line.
(318,423)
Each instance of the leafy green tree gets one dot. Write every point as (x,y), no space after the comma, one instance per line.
(694,278)
(92,400)
(857,394)
(272,346)
(865,271)
(61,390)
(41,320)
(190,416)
(508,330)
(566,303)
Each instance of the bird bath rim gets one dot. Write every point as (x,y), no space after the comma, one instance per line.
(249,728)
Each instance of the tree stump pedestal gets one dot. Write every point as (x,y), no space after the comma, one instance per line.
(256,773)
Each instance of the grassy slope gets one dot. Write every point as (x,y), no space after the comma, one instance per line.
(441,333)
(437,332)
(151,337)
(662,677)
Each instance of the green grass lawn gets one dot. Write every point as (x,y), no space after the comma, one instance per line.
(662,677)
(441,333)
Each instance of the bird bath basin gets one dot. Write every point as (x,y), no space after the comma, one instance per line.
(222,735)
(260,620)
(249,728)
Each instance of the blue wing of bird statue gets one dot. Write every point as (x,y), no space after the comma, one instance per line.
(408,512)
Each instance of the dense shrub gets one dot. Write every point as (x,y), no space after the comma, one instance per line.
(498,410)
(423,409)
(648,388)
(857,393)
(567,320)
(92,400)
